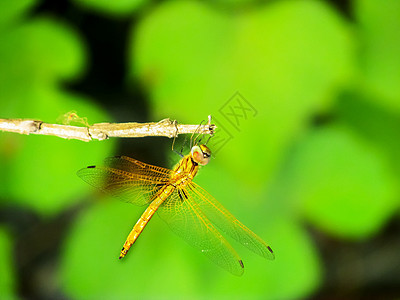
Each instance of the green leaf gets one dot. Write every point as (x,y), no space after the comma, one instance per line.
(284,71)
(379,26)
(12,10)
(373,122)
(39,171)
(41,51)
(344,184)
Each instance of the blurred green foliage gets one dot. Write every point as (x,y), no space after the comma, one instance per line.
(291,61)
(7,274)
(113,8)
(37,56)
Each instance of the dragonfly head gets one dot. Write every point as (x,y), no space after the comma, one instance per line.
(201,154)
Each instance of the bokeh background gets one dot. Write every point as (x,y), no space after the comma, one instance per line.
(306,97)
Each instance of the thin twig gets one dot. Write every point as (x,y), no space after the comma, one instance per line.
(102,131)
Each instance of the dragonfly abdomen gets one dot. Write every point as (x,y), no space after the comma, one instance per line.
(159,198)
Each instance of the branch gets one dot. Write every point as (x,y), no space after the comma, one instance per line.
(103,131)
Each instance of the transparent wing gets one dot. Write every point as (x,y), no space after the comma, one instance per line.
(225,221)
(126,178)
(185,218)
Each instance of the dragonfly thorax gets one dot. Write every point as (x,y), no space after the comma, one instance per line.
(184,171)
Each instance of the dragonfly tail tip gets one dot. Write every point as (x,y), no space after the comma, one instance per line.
(241,264)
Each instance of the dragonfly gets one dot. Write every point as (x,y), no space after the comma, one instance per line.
(189,210)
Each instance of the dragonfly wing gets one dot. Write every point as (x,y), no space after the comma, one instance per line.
(186,219)
(225,221)
(126,178)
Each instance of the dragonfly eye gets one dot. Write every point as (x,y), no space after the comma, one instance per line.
(201,154)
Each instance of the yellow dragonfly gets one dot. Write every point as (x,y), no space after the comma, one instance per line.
(187,208)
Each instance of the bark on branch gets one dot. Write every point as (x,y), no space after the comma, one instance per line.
(103,131)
